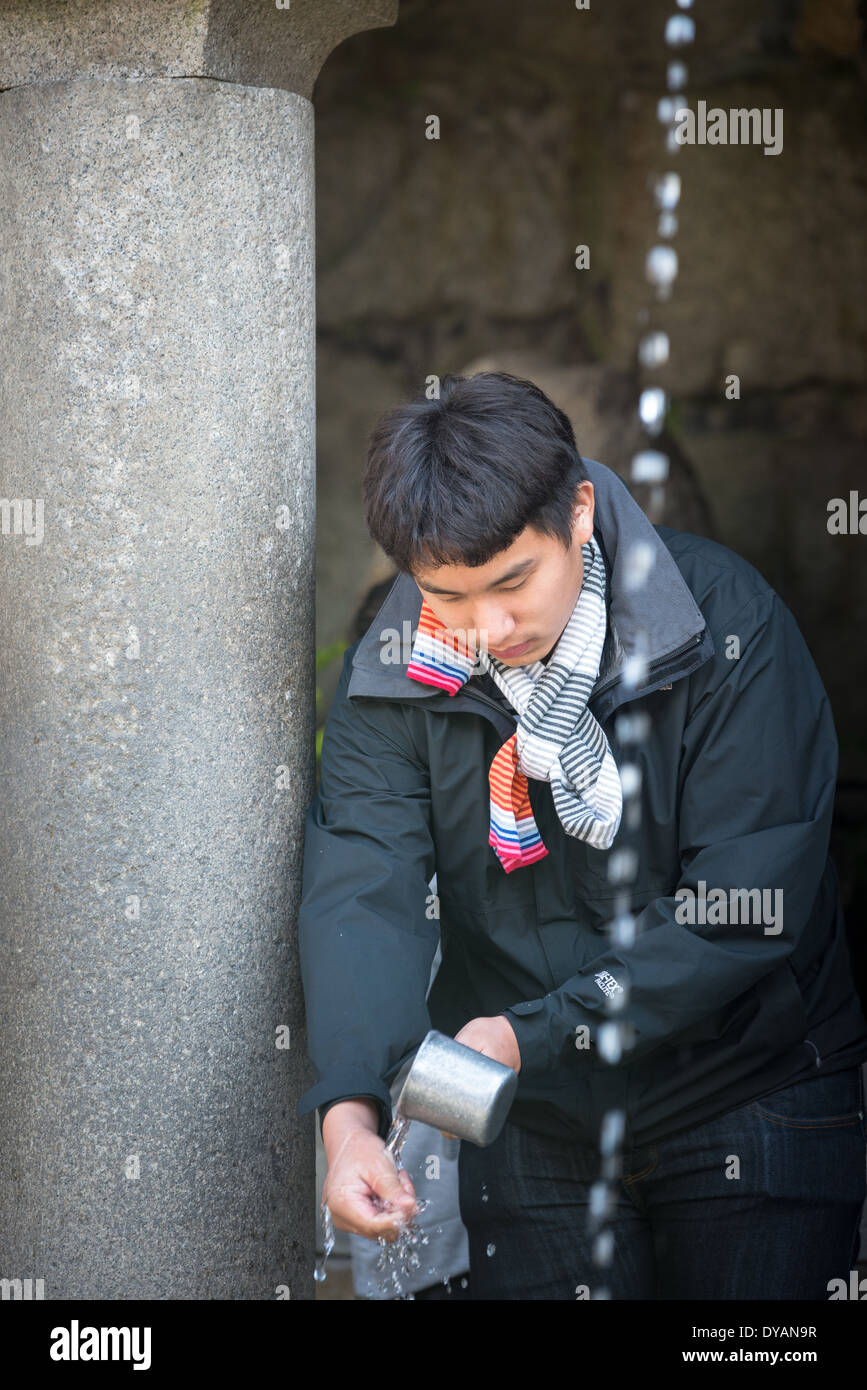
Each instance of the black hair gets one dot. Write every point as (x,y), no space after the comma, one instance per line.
(455,479)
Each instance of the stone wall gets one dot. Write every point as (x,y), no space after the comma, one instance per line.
(438,256)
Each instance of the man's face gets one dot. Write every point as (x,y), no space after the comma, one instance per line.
(517,605)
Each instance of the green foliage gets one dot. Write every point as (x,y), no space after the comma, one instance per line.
(325,656)
(675,418)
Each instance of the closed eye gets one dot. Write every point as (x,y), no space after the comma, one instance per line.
(511,589)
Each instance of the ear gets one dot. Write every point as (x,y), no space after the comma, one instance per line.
(582,523)
(582,517)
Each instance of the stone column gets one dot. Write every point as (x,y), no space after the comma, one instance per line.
(157,501)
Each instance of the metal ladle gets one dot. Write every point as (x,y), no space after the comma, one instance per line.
(457,1090)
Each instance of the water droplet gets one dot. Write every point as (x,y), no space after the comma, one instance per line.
(653,349)
(613,1129)
(612,1167)
(665,109)
(632,728)
(666,191)
(603,1249)
(640,559)
(675,76)
(609,1043)
(622,930)
(679,29)
(661,269)
(601,1200)
(667,224)
(622,864)
(463,1283)
(652,408)
(649,466)
(491,1249)
(630,779)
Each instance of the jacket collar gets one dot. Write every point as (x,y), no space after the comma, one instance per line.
(663,609)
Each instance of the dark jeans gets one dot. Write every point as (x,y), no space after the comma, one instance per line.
(685,1226)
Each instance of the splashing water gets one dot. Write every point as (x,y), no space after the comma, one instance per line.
(399,1259)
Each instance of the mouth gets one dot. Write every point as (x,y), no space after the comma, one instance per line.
(510,651)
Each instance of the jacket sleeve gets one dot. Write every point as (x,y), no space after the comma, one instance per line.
(756,779)
(365,941)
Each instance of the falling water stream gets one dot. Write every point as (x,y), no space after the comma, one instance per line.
(327,1227)
(616,1035)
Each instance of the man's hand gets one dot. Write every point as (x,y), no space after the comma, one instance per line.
(495,1037)
(365,1192)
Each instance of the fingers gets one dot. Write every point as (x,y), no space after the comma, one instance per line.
(394,1190)
(367,1216)
(373,1201)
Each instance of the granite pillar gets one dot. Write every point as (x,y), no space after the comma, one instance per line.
(157,519)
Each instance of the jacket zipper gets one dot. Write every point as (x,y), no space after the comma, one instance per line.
(660,662)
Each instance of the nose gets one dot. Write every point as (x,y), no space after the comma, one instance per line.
(495,628)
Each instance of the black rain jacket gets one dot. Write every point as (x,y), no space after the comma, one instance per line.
(737,790)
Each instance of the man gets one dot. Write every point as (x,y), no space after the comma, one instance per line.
(590,704)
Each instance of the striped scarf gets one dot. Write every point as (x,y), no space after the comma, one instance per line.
(557,739)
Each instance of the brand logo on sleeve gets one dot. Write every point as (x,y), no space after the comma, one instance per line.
(607,983)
